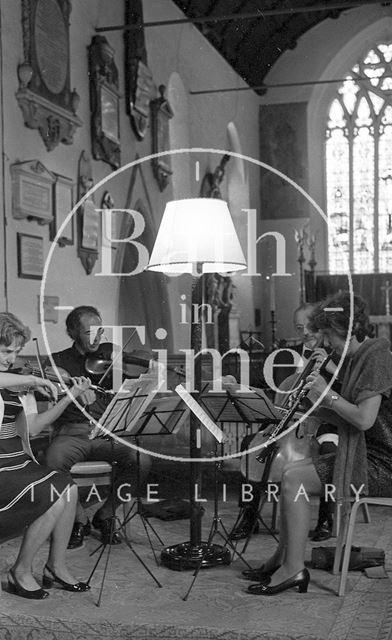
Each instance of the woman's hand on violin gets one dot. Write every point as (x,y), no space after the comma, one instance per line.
(44,386)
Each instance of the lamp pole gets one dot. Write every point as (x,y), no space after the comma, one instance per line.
(195,553)
(197,236)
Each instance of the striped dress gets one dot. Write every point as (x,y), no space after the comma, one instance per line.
(27,489)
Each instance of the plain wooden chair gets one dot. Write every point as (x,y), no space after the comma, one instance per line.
(348,513)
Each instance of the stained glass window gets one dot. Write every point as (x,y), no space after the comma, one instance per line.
(358,152)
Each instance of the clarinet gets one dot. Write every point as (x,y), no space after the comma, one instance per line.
(281,426)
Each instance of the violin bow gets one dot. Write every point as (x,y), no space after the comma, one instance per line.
(42,372)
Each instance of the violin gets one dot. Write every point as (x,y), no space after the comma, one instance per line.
(60,377)
(134,364)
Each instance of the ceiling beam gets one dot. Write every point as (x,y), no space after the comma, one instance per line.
(283,85)
(331,5)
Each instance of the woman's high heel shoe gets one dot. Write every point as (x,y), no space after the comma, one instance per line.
(17,589)
(260,574)
(300,580)
(49,580)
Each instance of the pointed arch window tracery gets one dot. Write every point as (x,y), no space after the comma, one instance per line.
(358,152)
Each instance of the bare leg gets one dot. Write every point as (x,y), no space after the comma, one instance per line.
(35,537)
(60,537)
(299,482)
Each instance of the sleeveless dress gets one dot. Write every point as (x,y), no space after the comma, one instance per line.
(28,489)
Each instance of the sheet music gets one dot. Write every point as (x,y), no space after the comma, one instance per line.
(128,404)
(200,413)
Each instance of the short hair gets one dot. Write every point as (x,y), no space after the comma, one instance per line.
(338,319)
(72,321)
(12,329)
(305,306)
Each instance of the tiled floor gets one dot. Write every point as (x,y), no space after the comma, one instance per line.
(133,606)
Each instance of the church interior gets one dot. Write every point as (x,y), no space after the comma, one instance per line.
(114,116)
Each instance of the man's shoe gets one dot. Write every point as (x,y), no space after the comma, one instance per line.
(247,524)
(79,531)
(323,531)
(104,525)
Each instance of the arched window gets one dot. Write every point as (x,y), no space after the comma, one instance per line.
(358,152)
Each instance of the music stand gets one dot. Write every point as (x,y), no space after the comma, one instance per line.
(120,415)
(163,416)
(248,407)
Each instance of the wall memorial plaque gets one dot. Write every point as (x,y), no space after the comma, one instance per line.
(44,93)
(104,102)
(32,191)
(30,256)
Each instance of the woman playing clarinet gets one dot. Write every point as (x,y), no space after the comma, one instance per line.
(363,413)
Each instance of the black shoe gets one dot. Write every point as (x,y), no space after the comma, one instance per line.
(323,531)
(104,525)
(17,589)
(49,580)
(260,574)
(79,531)
(247,524)
(300,580)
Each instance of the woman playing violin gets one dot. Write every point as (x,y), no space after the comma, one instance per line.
(363,413)
(35,500)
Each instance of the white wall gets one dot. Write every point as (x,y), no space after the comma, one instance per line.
(181,50)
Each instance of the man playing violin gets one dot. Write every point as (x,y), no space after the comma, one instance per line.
(71,443)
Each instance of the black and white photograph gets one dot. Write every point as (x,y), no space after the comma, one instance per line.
(195,319)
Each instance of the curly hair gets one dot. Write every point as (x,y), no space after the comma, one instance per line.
(12,329)
(334,314)
(72,321)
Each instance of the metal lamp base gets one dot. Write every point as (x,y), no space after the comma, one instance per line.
(185,556)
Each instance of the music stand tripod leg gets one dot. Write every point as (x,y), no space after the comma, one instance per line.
(120,528)
(137,508)
(214,529)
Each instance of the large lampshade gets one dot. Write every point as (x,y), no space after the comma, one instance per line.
(197,231)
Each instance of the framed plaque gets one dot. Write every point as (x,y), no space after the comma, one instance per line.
(63,202)
(104,101)
(44,93)
(32,191)
(30,256)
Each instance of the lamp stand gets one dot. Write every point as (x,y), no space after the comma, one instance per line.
(195,554)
